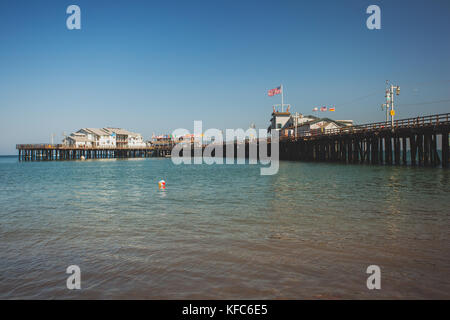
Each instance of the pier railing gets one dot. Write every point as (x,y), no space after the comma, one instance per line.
(47,146)
(417,122)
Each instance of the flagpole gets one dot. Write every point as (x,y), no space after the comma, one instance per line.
(281,98)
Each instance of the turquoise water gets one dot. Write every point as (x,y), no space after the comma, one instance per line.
(222,232)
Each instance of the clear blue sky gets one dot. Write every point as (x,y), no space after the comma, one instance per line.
(154,66)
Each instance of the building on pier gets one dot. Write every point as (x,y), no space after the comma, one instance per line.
(170,140)
(283,120)
(320,125)
(125,138)
(161,140)
(77,140)
(104,138)
(287,124)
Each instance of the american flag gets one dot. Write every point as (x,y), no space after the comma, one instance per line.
(275,91)
(323,108)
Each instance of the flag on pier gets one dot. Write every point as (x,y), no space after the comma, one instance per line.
(331,109)
(275,91)
(315,109)
(323,108)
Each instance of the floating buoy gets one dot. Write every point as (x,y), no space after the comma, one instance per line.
(82,158)
(162,184)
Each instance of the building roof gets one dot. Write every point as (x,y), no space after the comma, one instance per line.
(311,116)
(95,131)
(120,131)
(98,132)
(107,132)
(338,123)
(78,138)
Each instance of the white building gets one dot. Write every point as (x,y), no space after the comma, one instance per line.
(105,138)
(285,123)
(321,125)
(77,140)
(283,120)
(125,138)
(99,137)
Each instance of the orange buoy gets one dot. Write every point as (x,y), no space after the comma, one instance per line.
(162,184)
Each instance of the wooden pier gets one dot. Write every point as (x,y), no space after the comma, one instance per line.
(36,152)
(410,141)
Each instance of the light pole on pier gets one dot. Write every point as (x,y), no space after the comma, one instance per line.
(52,136)
(389,105)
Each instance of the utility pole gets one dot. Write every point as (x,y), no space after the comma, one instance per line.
(389,105)
(397,91)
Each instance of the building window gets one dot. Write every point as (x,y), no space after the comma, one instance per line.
(278,125)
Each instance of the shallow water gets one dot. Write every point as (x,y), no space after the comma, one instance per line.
(222,232)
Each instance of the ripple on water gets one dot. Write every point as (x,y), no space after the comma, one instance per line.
(222,231)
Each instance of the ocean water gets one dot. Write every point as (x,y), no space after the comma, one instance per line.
(222,231)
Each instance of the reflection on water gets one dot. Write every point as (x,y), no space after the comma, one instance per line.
(222,231)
